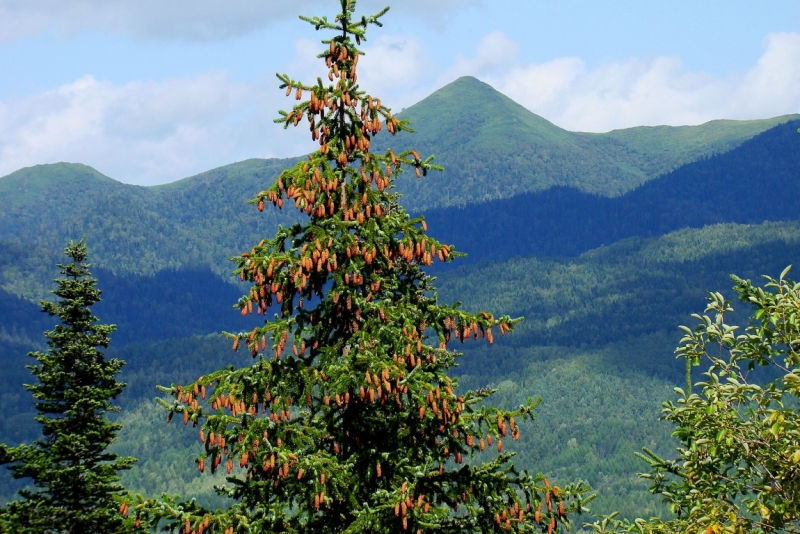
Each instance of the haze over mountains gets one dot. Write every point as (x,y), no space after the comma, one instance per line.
(604,242)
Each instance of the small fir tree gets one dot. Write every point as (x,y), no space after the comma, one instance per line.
(347,420)
(75,477)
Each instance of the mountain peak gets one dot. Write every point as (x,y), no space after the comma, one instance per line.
(486,110)
(470,83)
(31,184)
(48,173)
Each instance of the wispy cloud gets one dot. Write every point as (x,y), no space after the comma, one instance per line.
(194,20)
(144,133)
(395,68)
(155,132)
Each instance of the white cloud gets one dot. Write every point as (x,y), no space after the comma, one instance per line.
(775,80)
(154,132)
(640,91)
(393,68)
(550,79)
(145,133)
(179,19)
(494,52)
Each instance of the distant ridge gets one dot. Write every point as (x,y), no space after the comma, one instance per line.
(530,188)
(755,182)
(493,148)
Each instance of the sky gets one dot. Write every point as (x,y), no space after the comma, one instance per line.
(151,91)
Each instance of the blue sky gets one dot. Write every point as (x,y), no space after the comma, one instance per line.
(149,91)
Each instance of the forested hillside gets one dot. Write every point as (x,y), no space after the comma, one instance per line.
(192,223)
(599,328)
(605,243)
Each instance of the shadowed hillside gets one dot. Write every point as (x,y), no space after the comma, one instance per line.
(597,327)
(740,186)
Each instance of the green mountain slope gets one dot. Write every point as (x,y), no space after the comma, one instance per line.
(198,222)
(627,291)
(597,343)
(664,148)
(49,204)
(492,148)
(195,223)
(34,186)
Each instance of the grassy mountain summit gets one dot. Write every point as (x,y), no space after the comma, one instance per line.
(665,148)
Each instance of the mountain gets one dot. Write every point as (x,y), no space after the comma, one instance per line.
(603,242)
(493,148)
(198,222)
(617,294)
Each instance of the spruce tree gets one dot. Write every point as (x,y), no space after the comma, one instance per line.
(347,420)
(75,478)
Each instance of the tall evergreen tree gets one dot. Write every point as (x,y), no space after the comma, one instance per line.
(350,422)
(75,477)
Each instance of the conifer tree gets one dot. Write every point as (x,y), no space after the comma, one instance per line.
(347,420)
(75,477)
